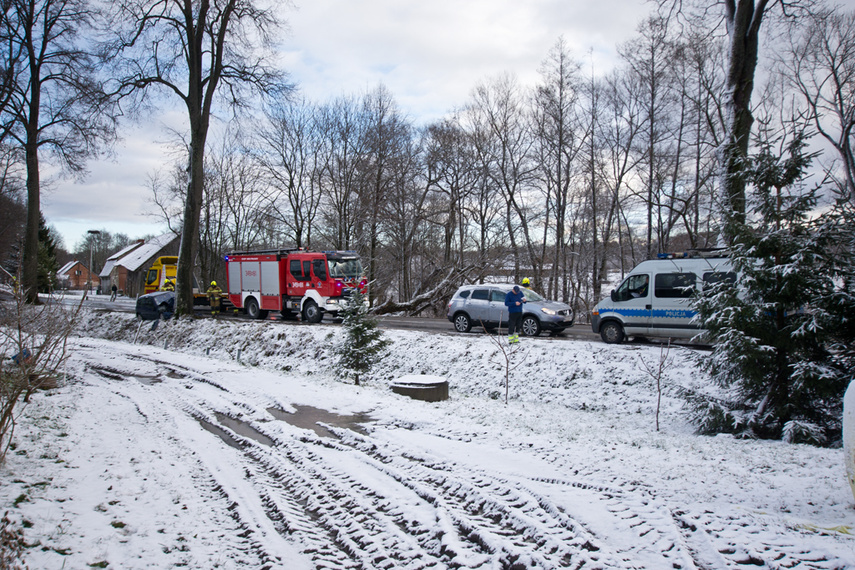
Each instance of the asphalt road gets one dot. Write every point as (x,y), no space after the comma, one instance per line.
(425,324)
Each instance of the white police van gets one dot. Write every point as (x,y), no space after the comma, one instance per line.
(654,299)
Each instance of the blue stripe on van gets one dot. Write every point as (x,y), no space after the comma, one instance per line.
(627,312)
(674,313)
(660,313)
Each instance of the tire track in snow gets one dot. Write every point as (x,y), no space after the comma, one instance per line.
(362,504)
(475,522)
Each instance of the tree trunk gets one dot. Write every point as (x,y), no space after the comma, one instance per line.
(743,21)
(31,237)
(192,212)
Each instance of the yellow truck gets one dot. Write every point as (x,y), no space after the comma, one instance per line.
(166,267)
(162,269)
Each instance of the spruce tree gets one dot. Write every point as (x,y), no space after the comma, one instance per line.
(772,340)
(47,263)
(362,344)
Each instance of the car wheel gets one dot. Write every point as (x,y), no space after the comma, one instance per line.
(312,313)
(530,326)
(252,309)
(611,333)
(462,322)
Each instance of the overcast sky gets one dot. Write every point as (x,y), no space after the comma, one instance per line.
(430,54)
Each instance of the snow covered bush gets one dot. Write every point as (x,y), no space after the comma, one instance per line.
(362,344)
(33,342)
(775,330)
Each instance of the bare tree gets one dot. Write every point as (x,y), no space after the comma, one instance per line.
(742,19)
(386,135)
(291,159)
(33,348)
(54,103)
(451,171)
(502,119)
(820,65)
(649,57)
(560,136)
(342,132)
(196,50)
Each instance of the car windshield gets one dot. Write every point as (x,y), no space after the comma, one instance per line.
(531,296)
(345,268)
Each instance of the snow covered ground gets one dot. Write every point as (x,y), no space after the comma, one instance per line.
(198,446)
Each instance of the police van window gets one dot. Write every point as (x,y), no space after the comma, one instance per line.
(633,287)
(714,277)
(675,285)
(480,295)
(497,296)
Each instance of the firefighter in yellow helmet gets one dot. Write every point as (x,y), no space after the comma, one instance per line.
(214,296)
(526,282)
(169,285)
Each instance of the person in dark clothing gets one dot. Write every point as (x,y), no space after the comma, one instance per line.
(113,290)
(514,301)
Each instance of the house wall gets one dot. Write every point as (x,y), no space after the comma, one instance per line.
(78,277)
(119,276)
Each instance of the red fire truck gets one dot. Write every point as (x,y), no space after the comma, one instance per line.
(292,281)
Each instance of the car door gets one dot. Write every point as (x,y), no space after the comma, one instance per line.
(497,311)
(632,302)
(478,305)
(672,314)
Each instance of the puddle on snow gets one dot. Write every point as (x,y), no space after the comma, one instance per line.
(244,429)
(219,432)
(148,380)
(308,417)
(237,426)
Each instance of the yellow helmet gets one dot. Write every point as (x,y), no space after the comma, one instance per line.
(213,283)
(526,282)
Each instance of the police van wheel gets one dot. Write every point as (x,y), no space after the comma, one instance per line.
(611,333)
(312,313)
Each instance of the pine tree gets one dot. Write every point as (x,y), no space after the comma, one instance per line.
(362,344)
(47,263)
(773,341)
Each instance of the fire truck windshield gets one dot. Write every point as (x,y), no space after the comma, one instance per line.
(345,268)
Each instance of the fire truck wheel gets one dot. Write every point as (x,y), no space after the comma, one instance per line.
(312,313)
(252,309)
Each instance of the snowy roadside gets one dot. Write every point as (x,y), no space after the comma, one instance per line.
(116,467)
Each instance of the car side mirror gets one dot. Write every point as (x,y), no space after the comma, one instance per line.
(614,296)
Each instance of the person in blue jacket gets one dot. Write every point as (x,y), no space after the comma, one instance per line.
(514,301)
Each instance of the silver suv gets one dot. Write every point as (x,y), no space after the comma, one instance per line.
(484,306)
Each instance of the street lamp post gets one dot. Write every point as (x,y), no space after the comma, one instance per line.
(93,233)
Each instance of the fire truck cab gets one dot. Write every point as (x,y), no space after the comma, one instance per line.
(292,281)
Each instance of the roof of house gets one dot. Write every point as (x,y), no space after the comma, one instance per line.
(62,272)
(140,255)
(111,261)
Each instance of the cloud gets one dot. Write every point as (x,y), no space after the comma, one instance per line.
(430,55)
